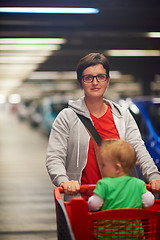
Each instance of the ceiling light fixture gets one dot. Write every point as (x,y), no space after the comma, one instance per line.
(40,75)
(14,98)
(60,10)
(153,34)
(32,41)
(132,53)
(20,56)
(29,47)
(22,59)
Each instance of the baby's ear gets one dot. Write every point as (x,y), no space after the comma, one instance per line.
(118,167)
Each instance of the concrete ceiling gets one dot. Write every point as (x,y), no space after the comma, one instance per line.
(120,24)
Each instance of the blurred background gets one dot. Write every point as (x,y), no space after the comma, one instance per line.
(39,50)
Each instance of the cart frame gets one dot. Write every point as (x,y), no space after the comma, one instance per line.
(75,222)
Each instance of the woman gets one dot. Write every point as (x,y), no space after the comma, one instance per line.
(71,159)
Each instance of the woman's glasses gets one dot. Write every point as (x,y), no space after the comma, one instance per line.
(89,78)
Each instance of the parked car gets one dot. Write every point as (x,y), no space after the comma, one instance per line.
(35,114)
(50,107)
(23,110)
(146,111)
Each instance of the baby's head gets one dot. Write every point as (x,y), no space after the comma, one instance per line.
(118,157)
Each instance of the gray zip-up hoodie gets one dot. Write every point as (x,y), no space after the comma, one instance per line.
(69,140)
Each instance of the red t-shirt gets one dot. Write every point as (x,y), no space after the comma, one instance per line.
(106,128)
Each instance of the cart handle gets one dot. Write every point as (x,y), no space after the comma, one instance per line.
(86,189)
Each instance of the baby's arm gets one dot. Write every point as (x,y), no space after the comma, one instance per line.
(95,202)
(147,199)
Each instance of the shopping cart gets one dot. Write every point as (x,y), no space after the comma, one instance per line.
(75,222)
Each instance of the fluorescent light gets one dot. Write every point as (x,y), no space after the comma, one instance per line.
(26,47)
(2,98)
(9,83)
(22,59)
(15,68)
(153,34)
(32,41)
(40,75)
(25,53)
(20,56)
(14,98)
(49,10)
(115,74)
(133,53)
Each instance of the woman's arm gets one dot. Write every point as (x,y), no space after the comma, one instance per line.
(57,150)
(57,153)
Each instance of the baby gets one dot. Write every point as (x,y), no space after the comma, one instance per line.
(117,189)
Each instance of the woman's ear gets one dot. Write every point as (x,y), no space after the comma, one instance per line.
(79,84)
(108,81)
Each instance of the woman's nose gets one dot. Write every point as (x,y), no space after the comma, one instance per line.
(95,81)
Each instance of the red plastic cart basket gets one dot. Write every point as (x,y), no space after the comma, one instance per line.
(75,222)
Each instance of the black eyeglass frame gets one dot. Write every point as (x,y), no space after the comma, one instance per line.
(96,76)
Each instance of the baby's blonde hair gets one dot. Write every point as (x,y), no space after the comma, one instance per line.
(119,151)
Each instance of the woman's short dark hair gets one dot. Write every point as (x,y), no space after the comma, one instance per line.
(92,59)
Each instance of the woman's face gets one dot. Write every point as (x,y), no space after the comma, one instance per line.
(95,89)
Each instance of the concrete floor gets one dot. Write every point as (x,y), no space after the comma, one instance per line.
(27,208)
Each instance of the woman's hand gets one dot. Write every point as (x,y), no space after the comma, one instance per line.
(70,187)
(155,185)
